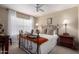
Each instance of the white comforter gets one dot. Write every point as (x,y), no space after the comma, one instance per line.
(50,44)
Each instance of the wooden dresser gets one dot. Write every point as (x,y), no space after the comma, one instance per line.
(4,41)
(67,41)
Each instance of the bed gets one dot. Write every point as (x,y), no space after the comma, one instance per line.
(44,48)
(47,46)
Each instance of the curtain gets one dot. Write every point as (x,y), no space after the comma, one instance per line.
(17,23)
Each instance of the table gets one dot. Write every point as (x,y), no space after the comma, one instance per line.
(4,41)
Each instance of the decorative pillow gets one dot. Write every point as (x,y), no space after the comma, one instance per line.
(44,30)
(49,29)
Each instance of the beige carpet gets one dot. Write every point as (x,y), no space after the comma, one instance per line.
(14,49)
(57,50)
(63,50)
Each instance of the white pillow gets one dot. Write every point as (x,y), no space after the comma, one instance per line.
(54,32)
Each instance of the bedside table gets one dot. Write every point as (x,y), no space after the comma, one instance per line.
(67,41)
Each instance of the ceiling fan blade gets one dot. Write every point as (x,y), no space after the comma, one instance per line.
(41,10)
(37,9)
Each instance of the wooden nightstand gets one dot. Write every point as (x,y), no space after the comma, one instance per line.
(67,41)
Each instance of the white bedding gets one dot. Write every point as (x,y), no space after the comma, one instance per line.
(47,46)
(50,44)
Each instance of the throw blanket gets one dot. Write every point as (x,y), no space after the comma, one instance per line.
(40,40)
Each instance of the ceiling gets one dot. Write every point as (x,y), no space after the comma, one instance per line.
(30,8)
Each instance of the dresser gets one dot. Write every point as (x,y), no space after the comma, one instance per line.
(67,41)
(4,41)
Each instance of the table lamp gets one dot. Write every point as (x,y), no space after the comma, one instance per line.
(65,24)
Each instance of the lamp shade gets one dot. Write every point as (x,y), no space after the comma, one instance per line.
(36,24)
(65,21)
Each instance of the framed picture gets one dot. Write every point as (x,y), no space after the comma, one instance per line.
(49,21)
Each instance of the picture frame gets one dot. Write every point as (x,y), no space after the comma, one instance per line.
(49,21)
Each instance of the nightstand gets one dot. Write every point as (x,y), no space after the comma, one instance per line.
(67,41)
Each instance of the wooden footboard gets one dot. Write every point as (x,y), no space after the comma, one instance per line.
(23,39)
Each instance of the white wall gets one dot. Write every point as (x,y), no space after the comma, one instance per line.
(70,14)
(78,25)
(4,18)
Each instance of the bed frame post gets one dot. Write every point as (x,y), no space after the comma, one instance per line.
(38,43)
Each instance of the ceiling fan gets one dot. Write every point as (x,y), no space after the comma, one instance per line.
(38,7)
